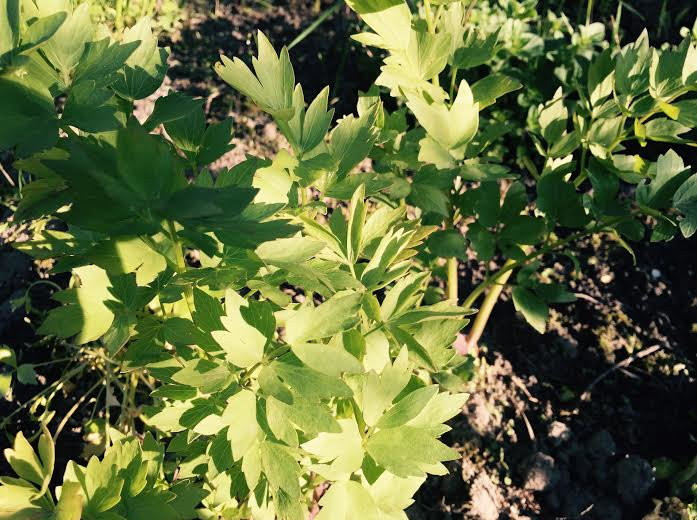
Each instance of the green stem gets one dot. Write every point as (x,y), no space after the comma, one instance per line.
(589,12)
(118,22)
(429,17)
(360,421)
(181,264)
(452,280)
(320,19)
(453,81)
(48,389)
(582,168)
(488,305)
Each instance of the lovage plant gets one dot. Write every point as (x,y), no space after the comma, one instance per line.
(297,351)
(585,180)
(282,309)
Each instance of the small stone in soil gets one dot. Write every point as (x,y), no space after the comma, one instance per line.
(634,479)
(601,445)
(558,433)
(541,473)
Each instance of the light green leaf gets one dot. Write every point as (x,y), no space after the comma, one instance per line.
(328,359)
(451,127)
(337,314)
(407,451)
(272,87)
(84,316)
(351,140)
(390,19)
(241,414)
(243,344)
(281,469)
(67,45)
(69,506)
(348,500)
(408,407)
(341,451)
(24,461)
(293,250)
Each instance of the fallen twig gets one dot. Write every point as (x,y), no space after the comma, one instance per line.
(585,396)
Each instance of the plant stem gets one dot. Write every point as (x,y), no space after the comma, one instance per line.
(453,81)
(74,408)
(488,305)
(181,264)
(582,169)
(118,22)
(589,12)
(53,386)
(452,280)
(320,19)
(429,17)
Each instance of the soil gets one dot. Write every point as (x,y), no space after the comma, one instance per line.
(539,439)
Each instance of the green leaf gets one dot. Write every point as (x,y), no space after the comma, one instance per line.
(390,19)
(145,69)
(203,374)
(451,127)
(272,87)
(348,500)
(665,130)
(304,382)
(340,453)
(337,314)
(9,25)
(85,316)
(241,411)
(687,112)
(487,90)
(685,200)
(475,49)
(242,342)
(284,251)
(356,221)
(534,310)
(29,119)
(523,229)
(448,243)
(408,407)
(600,77)
(24,461)
(307,129)
(69,506)
(328,359)
(632,67)
(559,200)
(407,451)
(280,468)
(65,48)
(429,198)
(26,374)
(171,107)
(670,173)
(351,141)
(208,311)
(553,118)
